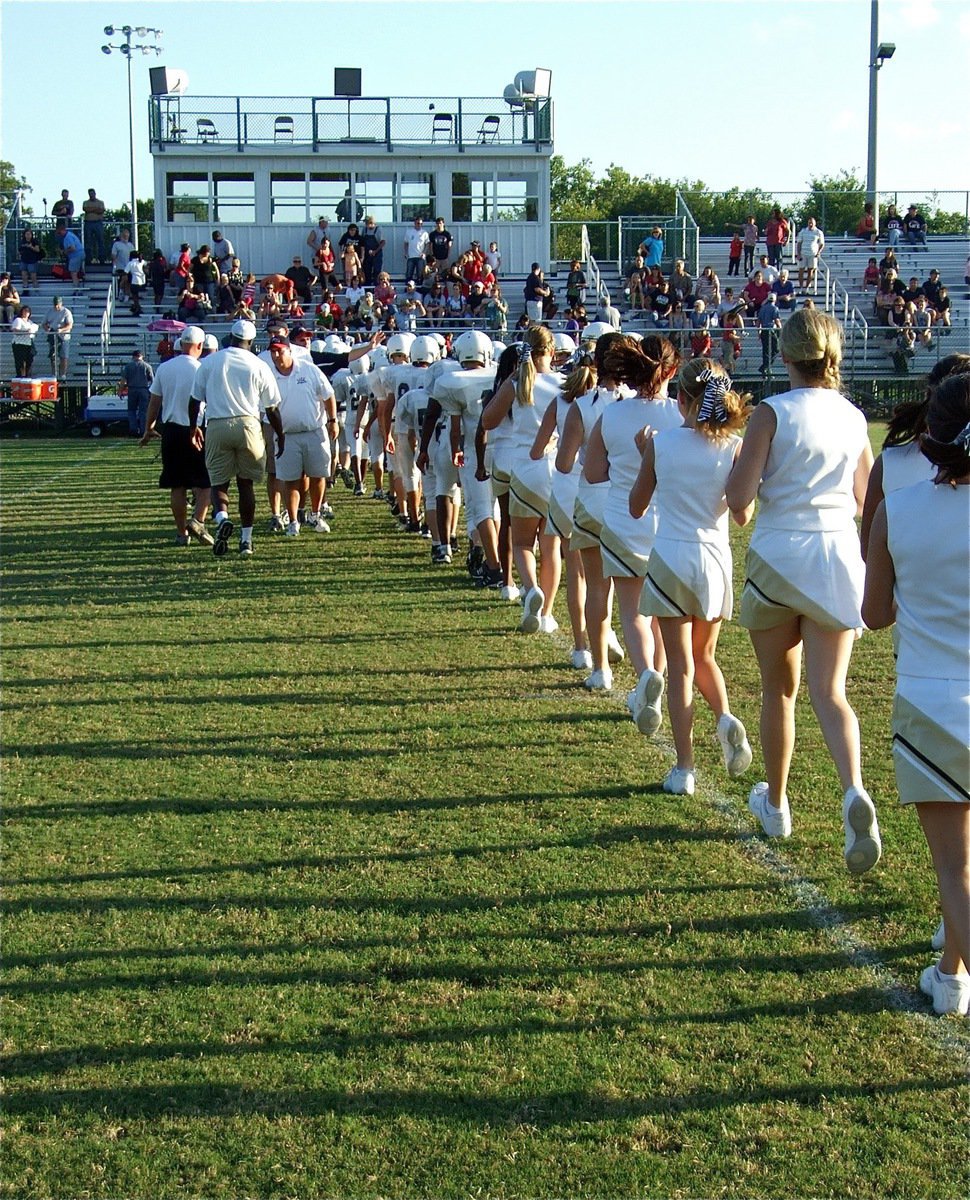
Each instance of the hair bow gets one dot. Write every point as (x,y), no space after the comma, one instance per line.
(962,439)
(716,387)
(525,351)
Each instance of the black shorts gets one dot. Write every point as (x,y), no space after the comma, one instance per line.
(182,465)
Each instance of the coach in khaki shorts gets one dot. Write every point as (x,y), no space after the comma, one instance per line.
(236,388)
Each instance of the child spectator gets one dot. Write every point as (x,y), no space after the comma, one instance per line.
(493,257)
(576,284)
(734,255)
(700,324)
(870,276)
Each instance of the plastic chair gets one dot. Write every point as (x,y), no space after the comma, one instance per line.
(283,129)
(206,130)
(488,131)
(443,124)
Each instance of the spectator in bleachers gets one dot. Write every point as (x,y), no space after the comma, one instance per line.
(222,252)
(317,235)
(193,303)
(897,317)
(885,296)
(236,279)
(681,283)
(302,279)
(942,307)
(416,246)
(441,241)
(475,303)
(271,304)
(867,230)
(652,247)
(31,252)
(914,225)
(59,324)
(137,281)
(325,263)
(93,210)
(727,305)
(409,308)
(922,317)
(912,293)
(708,288)
(242,312)
(280,284)
(777,232)
(768,273)
(931,287)
(63,209)
(809,245)
(158,275)
(749,239)
(350,255)
(636,284)
(183,265)
(206,274)
(894,226)
(870,276)
(679,324)
(372,250)
(889,261)
(434,302)
(700,327)
(662,300)
(731,327)
(784,291)
(455,306)
(9,298)
(22,333)
(769,324)
(73,251)
(121,249)
(535,292)
(735,251)
(226,300)
(493,256)
(576,284)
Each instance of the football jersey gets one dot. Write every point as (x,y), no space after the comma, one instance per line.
(345,389)
(411,410)
(462,394)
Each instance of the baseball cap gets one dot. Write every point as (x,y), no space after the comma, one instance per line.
(279,339)
(192,335)
(211,342)
(300,331)
(244,330)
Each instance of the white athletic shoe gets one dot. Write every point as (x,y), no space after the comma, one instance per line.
(326,510)
(581,660)
(599,681)
(679,782)
(614,651)
(318,524)
(646,702)
(532,611)
(938,940)
(863,848)
(734,745)
(509,592)
(949,993)
(550,625)
(293,529)
(776,822)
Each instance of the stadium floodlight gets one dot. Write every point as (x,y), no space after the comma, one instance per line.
(105,49)
(109,31)
(885,50)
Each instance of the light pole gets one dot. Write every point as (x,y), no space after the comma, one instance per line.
(127,48)
(879,52)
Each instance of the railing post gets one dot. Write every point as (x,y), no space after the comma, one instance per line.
(239,130)
(314,139)
(387,121)
(459,135)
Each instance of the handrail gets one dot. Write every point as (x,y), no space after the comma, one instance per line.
(9,216)
(601,290)
(109,307)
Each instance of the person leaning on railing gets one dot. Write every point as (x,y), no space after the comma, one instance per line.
(23,331)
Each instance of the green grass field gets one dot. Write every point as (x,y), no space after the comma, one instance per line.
(320,881)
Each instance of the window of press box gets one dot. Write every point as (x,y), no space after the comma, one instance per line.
(417,197)
(517,198)
(472,196)
(233,198)
(187,198)
(288,198)
(326,195)
(375,195)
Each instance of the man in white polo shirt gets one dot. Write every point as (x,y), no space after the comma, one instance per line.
(183,463)
(308,413)
(237,389)
(416,243)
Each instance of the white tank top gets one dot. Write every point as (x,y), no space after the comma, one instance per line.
(621,423)
(692,470)
(903,465)
(526,418)
(807,483)
(929,541)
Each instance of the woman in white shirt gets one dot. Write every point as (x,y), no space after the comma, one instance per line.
(806,457)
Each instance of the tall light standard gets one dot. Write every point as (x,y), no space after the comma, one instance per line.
(127,48)
(879,52)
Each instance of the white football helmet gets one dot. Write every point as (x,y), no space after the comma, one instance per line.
(399,343)
(498,349)
(441,340)
(360,366)
(424,349)
(335,345)
(595,330)
(473,346)
(317,346)
(378,357)
(564,343)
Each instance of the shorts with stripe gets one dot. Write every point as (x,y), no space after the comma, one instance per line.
(931,746)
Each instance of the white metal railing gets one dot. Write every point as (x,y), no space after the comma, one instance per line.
(10,214)
(600,290)
(856,323)
(109,307)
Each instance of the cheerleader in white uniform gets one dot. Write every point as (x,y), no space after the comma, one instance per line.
(493,457)
(614,453)
(527,397)
(688,585)
(917,575)
(901,462)
(806,456)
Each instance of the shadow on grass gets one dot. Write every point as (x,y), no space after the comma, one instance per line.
(188,806)
(542,1110)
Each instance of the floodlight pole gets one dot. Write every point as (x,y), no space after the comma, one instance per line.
(872,189)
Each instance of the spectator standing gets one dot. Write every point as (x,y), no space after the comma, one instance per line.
(206,274)
(372,250)
(63,209)
(576,284)
(121,249)
(158,275)
(769,322)
(735,251)
(59,322)
(493,256)
(749,240)
(136,281)
(31,252)
(93,210)
(441,242)
(416,243)
(777,233)
(73,251)
(809,245)
(652,248)
(22,333)
(914,225)
(222,252)
(315,237)
(535,293)
(137,377)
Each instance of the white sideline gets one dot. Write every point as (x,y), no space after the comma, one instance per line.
(941,1034)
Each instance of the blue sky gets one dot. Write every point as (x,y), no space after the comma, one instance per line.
(750,94)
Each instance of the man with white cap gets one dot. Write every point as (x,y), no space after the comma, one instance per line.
(183,462)
(236,389)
